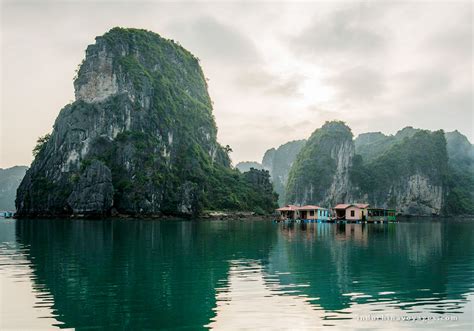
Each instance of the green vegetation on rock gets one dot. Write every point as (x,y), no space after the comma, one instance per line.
(424,152)
(415,171)
(313,171)
(460,197)
(40,144)
(143,116)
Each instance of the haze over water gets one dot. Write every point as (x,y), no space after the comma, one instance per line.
(146,274)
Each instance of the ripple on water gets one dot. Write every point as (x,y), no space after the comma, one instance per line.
(234,274)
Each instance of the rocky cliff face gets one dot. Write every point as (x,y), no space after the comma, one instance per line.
(416,195)
(94,190)
(139,138)
(460,193)
(341,186)
(453,196)
(320,174)
(408,171)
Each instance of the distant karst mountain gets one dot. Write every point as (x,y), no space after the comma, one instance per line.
(320,174)
(139,139)
(411,175)
(10,179)
(278,162)
(416,171)
(247,165)
(460,199)
(372,144)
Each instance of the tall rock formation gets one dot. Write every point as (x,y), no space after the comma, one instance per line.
(320,175)
(460,195)
(408,171)
(139,138)
(454,196)
(410,176)
(278,162)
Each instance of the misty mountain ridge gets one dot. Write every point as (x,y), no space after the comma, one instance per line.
(10,178)
(415,171)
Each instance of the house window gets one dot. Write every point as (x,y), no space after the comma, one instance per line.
(352,213)
(311,213)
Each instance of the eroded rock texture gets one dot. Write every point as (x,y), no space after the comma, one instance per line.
(139,138)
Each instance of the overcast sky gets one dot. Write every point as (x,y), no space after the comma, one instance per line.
(277,70)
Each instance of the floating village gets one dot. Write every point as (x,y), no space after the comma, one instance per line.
(341,213)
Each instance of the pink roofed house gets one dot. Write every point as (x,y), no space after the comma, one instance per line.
(307,212)
(351,212)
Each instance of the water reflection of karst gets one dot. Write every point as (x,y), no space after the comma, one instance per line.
(146,274)
(403,262)
(136,274)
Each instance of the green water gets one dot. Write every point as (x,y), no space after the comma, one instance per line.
(143,274)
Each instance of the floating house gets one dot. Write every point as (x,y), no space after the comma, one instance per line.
(351,212)
(363,212)
(380,215)
(307,212)
(288,212)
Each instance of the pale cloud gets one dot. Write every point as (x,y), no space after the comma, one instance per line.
(216,41)
(262,81)
(351,29)
(359,83)
(277,70)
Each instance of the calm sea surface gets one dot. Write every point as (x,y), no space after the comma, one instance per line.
(144,274)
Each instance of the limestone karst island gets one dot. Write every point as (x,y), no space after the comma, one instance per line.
(140,140)
(236,166)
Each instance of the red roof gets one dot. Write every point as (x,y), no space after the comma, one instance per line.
(294,208)
(288,208)
(342,206)
(347,205)
(309,207)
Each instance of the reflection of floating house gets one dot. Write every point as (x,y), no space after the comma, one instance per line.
(308,212)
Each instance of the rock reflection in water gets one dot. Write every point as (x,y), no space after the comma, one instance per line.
(236,274)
